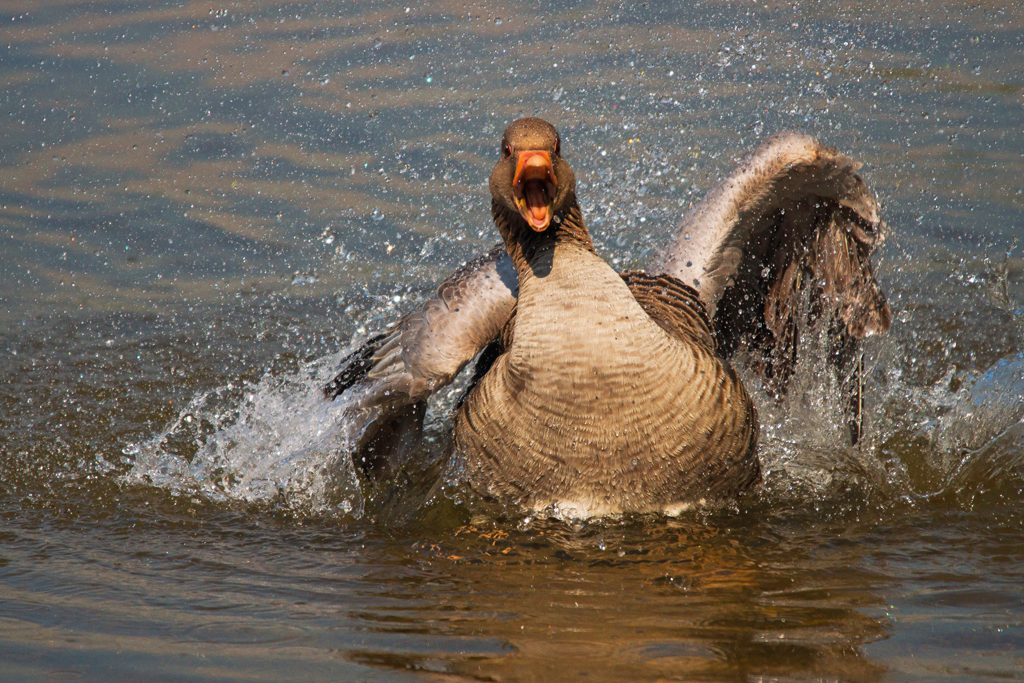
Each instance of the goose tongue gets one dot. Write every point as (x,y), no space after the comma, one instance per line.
(536,201)
(534,186)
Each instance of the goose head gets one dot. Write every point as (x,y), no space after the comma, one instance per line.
(532,181)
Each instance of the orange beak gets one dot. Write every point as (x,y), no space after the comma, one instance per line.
(534,186)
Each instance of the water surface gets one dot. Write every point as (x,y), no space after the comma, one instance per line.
(204,205)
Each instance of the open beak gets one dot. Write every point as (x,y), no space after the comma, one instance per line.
(534,187)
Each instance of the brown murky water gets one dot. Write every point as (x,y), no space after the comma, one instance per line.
(204,204)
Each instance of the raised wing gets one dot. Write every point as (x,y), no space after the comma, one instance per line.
(428,347)
(794,223)
(394,373)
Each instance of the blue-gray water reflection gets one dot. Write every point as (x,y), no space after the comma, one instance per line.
(203,205)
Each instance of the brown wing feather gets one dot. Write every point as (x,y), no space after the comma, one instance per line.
(394,373)
(429,346)
(782,243)
(673,305)
(778,197)
(818,253)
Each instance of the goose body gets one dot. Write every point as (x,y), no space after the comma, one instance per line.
(597,409)
(601,392)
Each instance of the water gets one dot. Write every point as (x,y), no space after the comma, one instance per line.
(204,206)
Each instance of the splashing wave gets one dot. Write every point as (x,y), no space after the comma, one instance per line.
(277,441)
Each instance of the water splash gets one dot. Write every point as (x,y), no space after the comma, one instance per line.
(279,442)
(276,442)
(805,450)
(958,438)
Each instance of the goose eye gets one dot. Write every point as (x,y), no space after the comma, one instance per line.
(558,147)
(506,150)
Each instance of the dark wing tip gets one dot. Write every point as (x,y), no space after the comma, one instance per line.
(356,366)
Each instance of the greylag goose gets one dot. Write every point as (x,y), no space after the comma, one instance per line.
(601,392)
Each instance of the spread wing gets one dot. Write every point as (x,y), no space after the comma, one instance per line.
(393,373)
(425,349)
(794,223)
